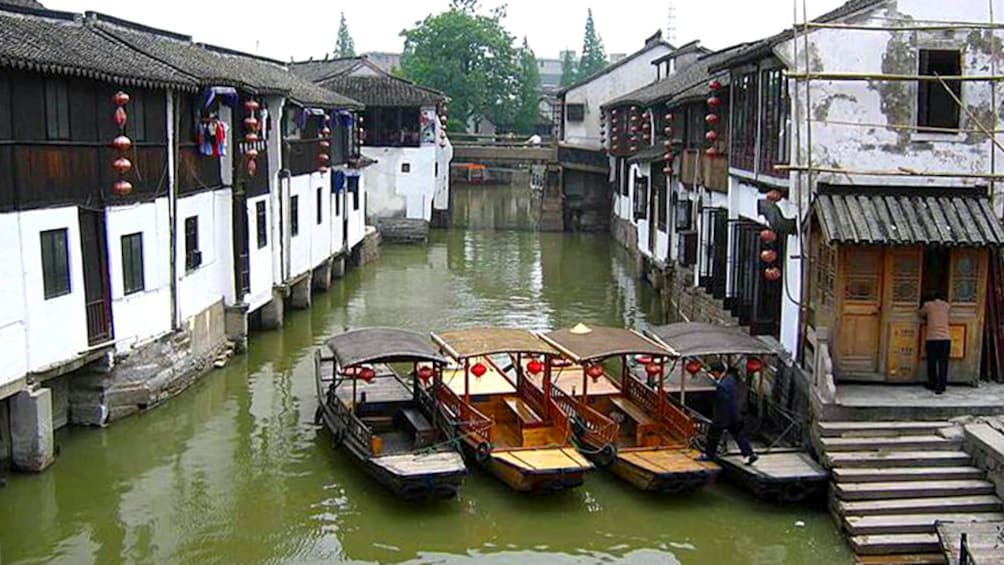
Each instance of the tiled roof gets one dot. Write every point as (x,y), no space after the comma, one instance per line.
(905,219)
(689,81)
(316,71)
(384,90)
(24,4)
(58,42)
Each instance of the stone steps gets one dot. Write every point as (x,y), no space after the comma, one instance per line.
(845,475)
(903,559)
(889,459)
(913,489)
(911,442)
(939,505)
(881,429)
(910,523)
(895,543)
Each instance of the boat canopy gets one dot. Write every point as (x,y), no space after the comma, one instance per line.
(462,344)
(583,343)
(694,339)
(382,345)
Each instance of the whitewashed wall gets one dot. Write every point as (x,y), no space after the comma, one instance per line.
(300,246)
(260,258)
(143,315)
(643,224)
(626,78)
(357,216)
(13,337)
(444,155)
(393,194)
(214,279)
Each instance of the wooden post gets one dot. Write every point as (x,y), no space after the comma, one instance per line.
(585,385)
(546,382)
(662,381)
(467,380)
(683,384)
(354,381)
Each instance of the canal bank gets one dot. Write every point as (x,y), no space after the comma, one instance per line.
(234,469)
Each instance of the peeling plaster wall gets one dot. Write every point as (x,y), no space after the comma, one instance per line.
(885,103)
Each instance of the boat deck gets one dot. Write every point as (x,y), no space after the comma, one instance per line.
(778,466)
(544,460)
(667,460)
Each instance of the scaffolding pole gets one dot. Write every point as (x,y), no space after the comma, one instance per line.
(947,26)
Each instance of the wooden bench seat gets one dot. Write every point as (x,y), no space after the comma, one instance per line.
(417,423)
(524,414)
(646,428)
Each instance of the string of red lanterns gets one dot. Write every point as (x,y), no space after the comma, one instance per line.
(712,119)
(122,144)
(324,157)
(251,136)
(668,144)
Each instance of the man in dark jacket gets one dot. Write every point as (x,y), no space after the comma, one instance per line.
(727,413)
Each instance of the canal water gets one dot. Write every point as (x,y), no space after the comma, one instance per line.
(234,470)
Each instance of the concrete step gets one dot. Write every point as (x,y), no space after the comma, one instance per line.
(912,489)
(946,504)
(881,475)
(895,543)
(904,559)
(880,429)
(910,523)
(912,442)
(887,459)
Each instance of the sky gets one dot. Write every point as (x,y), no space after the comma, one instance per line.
(302,29)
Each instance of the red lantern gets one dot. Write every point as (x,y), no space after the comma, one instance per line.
(325,144)
(667,170)
(711,136)
(367,374)
(643,359)
(122,187)
(323,169)
(325,131)
(714,85)
(251,153)
(653,369)
(120,117)
(122,143)
(668,117)
(251,123)
(775,195)
(534,367)
(634,129)
(120,98)
(693,366)
(425,374)
(668,157)
(668,131)
(252,167)
(633,148)
(768,256)
(667,144)
(768,236)
(479,370)
(251,106)
(251,137)
(323,158)
(714,102)
(594,372)
(712,152)
(772,274)
(122,165)
(754,365)
(711,119)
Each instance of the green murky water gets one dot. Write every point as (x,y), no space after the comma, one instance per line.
(233,471)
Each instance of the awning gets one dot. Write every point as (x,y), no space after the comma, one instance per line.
(462,344)
(908,220)
(694,339)
(584,343)
(382,345)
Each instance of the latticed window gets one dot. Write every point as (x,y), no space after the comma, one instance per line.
(906,277)
(965,277)
(864,274)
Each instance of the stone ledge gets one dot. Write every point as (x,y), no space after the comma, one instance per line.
(986,445)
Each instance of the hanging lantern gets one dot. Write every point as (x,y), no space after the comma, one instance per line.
(643,359)
(120,98)
(251,123)
(323,158)
(534,367)
(714,85)
(251,153)
(775,195)
(711,119)
(668,117)
(711,136)
(693,366)
(714,102)
(753,365)
(667,170)
(122,143)
(633,148)
(367,374)
(325,144)
(120,117)
(251,137)
(668,157)
(251,106)
(425,374)
(122,187)
(252,167)
(772,274)
(768,256)
(594,372)
(768,236)
(323,169)
(325,131)
(712,152)
(478,370)
(653,369)
(667,144)
(122,165)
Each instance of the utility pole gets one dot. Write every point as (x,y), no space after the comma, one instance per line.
(671,24)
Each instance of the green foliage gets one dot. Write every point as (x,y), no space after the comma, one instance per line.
(345,46)
(594,58)
(569,69)
(468,55)
(529,91)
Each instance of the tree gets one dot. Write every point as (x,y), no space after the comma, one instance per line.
(345,47)
(529,91)
(594,58)
(469,56)
(569,69)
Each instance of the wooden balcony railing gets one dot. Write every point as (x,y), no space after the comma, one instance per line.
(99,323)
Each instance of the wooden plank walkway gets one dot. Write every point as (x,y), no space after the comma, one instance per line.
(778,466)
(986,541)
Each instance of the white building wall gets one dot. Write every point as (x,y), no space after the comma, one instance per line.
(300,245)
(214,279)
(357,214)
(144,315)
(260,258)
(56,328)
(396,194)
(319,232)
(626,78)
(13,336)
(643,224)
(444,155)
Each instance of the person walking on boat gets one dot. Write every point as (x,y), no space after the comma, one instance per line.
(727,413)
(939,341)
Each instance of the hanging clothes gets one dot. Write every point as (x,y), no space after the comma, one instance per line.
(212,138)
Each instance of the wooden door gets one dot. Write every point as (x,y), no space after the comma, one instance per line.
(859,331)
(902,289)
(97,296)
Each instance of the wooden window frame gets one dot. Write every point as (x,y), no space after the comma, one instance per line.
(57,109)
(641,196)
(319,212)
(193,256)
(55,254)
(745,120)
(133,276)
(575,112)
(261,223)
(775,123)
(926,89)
(294,215)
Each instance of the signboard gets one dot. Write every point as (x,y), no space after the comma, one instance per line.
(902,359)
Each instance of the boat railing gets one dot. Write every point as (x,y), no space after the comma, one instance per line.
(599,430)
(353,425)
(668,413)
(532,396)
(702,424)
(468,420)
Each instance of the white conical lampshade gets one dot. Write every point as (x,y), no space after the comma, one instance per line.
(581,329)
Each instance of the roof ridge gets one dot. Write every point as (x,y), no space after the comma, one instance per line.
(234,52)
(41,12)
(116,39)
(135,26)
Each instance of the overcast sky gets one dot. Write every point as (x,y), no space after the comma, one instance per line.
(303,28)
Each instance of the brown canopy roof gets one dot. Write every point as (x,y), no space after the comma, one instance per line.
(487,341)
(382,345)
(601,343)
(693,339)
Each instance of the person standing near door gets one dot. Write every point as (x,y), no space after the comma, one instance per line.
(939,341)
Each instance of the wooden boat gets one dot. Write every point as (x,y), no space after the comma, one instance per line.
(373,411)
(785,472)
(653,445)
(503,422)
